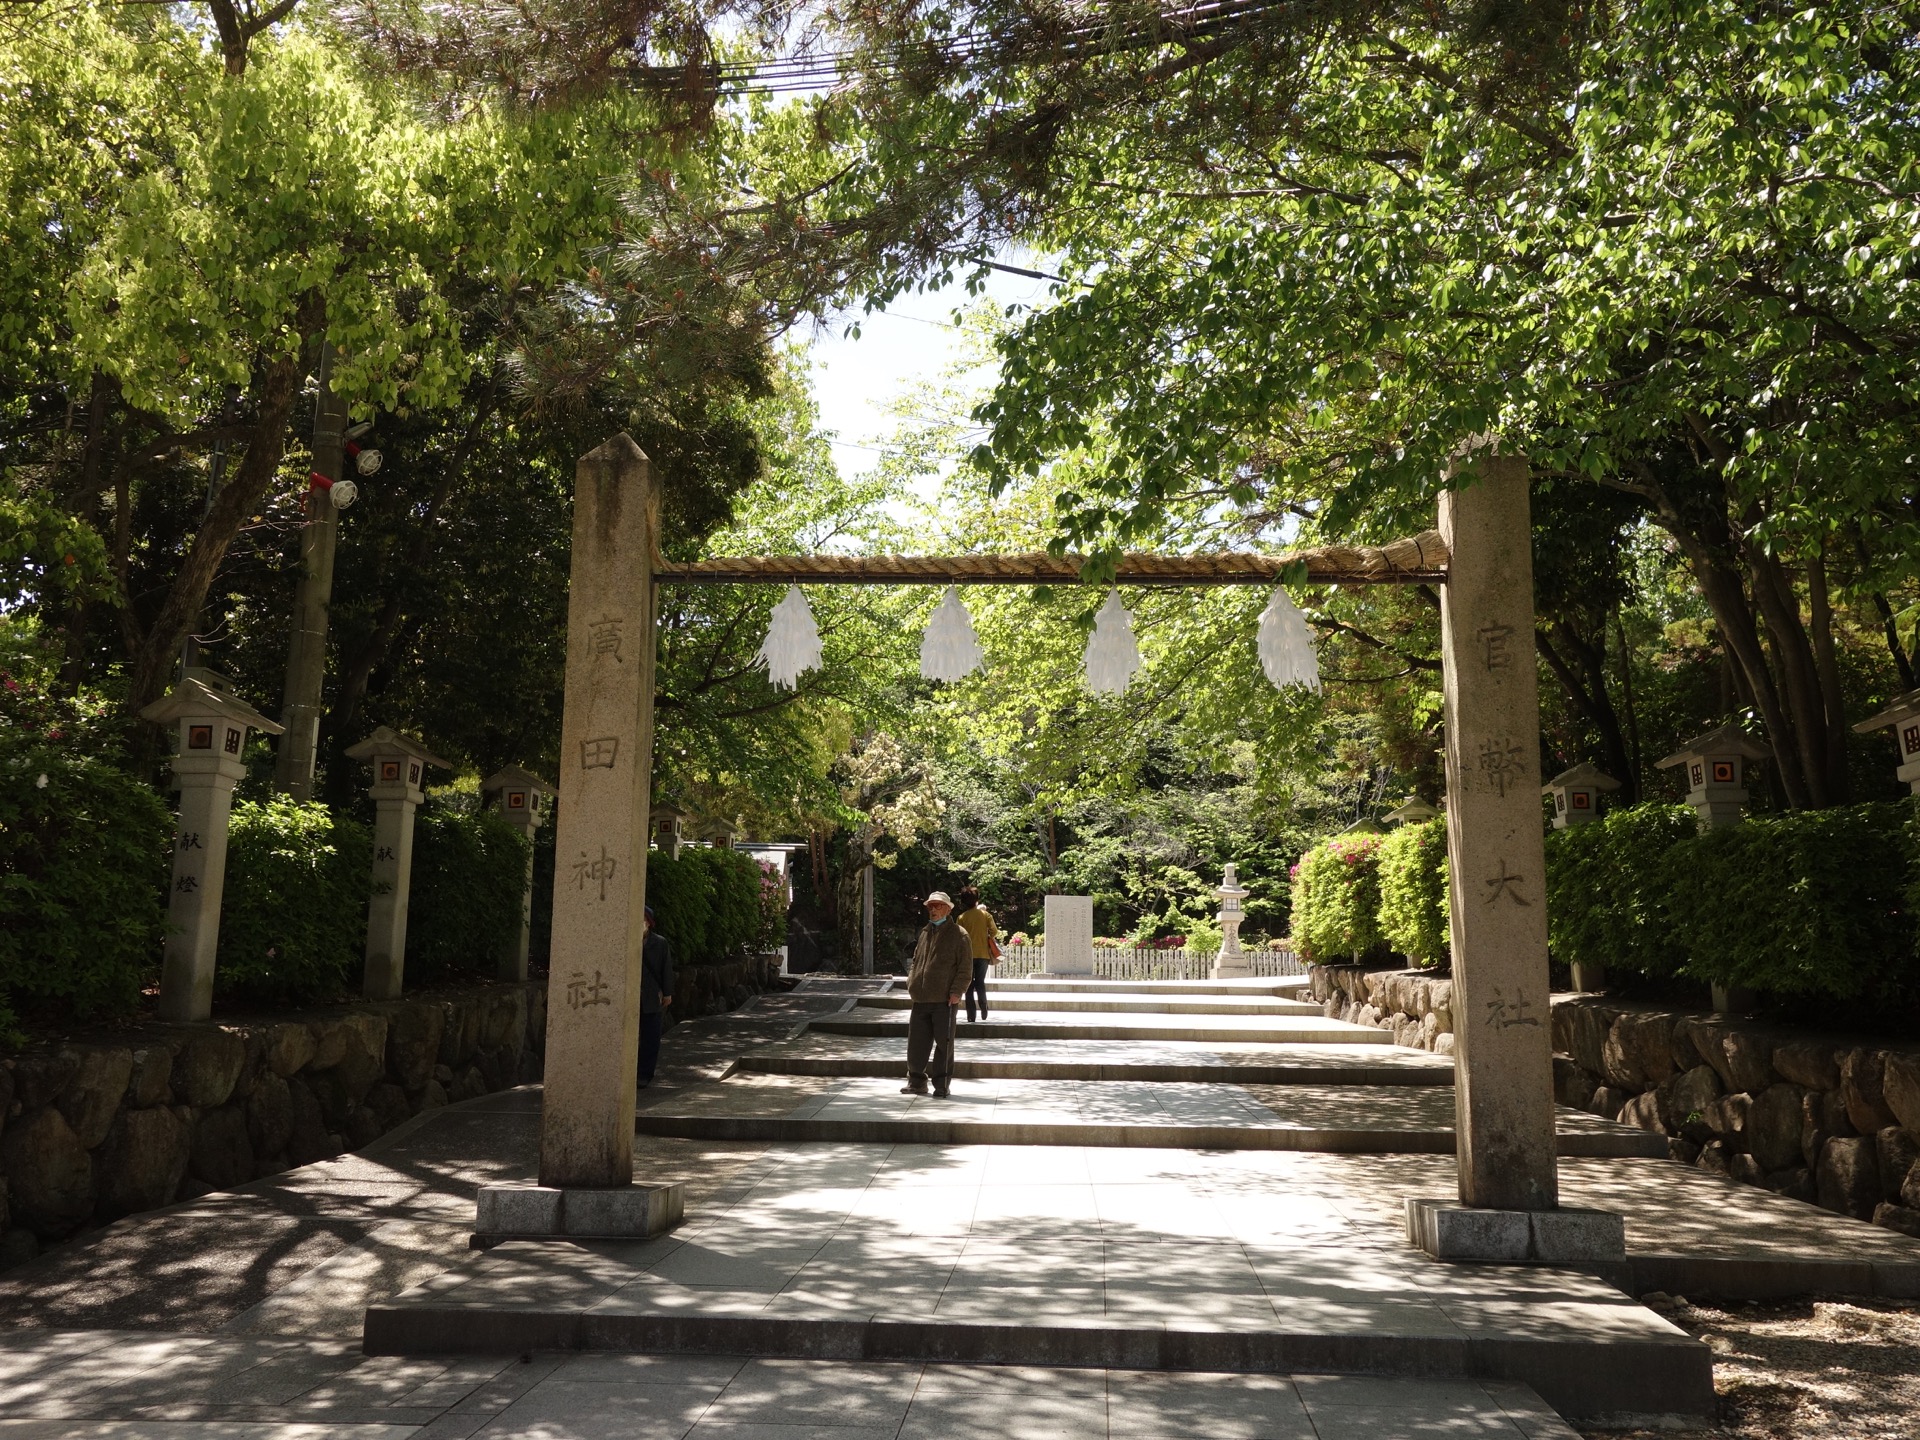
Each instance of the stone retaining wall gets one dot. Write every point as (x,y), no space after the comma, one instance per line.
(1816,1117)
(1819,1118)
(714,989)
(96,1130)
(92,1131)
(1416,1005)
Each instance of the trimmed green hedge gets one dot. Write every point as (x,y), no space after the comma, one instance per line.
(1809,902)
(463,908)
(1414,906)
(1608,883)
(711,904)
(1336,900)
(84,865)
(293,924)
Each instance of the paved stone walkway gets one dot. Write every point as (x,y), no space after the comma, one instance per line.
(240,1314)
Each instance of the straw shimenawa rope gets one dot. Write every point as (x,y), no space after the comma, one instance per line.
(1400,562)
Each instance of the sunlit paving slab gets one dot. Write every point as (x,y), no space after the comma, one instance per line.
(1081,1112)
(1151,1258)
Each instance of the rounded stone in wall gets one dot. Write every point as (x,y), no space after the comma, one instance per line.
(49,1173)
(222,1154)
(142,1163)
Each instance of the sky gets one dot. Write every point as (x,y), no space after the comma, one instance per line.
(905,347)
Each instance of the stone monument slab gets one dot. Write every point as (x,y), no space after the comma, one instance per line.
(1069,935)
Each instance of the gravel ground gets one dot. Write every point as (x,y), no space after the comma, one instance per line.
(1833,1369)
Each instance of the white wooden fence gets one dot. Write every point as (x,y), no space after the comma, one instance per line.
(1143,962)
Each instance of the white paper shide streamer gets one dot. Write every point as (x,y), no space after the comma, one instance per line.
(950,650)
(1112,656)
(793,641)
(1286,645)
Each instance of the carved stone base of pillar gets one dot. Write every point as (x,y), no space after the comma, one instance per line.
(1448,1230)
(546,1212)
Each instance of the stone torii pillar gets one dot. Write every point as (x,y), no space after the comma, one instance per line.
(212,730)
(1503,1058)
(399,772)
(523,799)
(586,1184)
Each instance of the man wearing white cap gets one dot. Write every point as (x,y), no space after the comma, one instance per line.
(942,966)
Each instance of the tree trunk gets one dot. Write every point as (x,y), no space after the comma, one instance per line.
(1581,670)
(1774,595)
(239,498)
(1725,594)
(1827,668)
(1630,782)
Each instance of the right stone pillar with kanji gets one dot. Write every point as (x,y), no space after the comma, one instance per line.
(1503,1050)
(586,1184)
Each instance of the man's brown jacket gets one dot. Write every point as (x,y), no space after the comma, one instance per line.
(942,963)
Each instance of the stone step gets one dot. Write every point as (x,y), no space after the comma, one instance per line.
(1062,984)
(1056,1025)
(1302,1072)
(1616,1142)
(1586,1350)
(1117,1004)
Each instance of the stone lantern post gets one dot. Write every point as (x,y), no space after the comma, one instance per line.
(1231,962)
(1902,717)
(670,828)
(399,768)
(523,798)
(719,833)
(1715,767)
(211,726)
(1715,771)
(1576,794)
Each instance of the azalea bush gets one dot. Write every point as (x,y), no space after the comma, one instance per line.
(1336,900)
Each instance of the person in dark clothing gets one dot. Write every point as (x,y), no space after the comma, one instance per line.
(656,994)
(942,966)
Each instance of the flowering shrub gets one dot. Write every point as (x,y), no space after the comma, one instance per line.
(1336,900)
(1414,909)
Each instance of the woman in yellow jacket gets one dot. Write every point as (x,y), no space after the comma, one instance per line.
(974,919)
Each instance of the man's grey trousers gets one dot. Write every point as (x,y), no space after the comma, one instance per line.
(930,1029)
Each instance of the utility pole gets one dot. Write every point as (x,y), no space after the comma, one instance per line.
(866,921)
(300,707)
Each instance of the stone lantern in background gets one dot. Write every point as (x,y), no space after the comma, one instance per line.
(1576,794)
(719,833)
(1232,962)
(399,766)
(1903,718)
(1714,766)
(1414,812)
(670,828)
(1715,771)
(523,798)
(211,725)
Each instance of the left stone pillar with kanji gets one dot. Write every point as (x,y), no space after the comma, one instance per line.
(399,766)
(210,724)
(586,1184)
